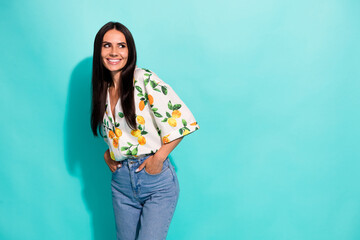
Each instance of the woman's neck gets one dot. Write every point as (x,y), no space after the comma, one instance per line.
(116,77)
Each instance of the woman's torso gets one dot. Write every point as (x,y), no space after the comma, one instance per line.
(124,142)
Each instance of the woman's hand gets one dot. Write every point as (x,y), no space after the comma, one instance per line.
(113,165)
(152,164)
(155,162)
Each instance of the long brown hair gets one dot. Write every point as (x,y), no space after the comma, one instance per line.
(101,77)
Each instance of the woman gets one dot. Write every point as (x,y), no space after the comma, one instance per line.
(142,120)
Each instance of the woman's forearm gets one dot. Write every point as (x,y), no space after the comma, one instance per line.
(166,149)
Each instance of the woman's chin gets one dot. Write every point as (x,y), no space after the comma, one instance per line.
(114,68)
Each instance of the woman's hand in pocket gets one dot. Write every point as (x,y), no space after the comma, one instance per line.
(152,164)
(113,165)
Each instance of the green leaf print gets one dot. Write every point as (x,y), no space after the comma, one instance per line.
(154,109)
(187,129)
(153,84)
(164,90)
(157,115)
(140,95)
(138,88)
(165,119)
(144,132)
(147,70)
(117,124)
(124,148)
(130,144)
(176,106)
(170,106)
(121,114)
(168,115)
(155,89)
(146,81)
(184,122)
(139,127)
(180,131)
(146,74)
(134,151)
(128,152)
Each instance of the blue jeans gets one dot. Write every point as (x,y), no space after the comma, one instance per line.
(143,203)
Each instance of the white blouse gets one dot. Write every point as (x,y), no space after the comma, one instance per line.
(161,117)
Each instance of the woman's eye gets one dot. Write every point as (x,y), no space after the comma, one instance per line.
(121,46)
(106,45)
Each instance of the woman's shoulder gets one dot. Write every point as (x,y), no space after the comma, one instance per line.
(139,71)
(145,74)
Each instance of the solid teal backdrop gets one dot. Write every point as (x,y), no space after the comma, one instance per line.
(274,86)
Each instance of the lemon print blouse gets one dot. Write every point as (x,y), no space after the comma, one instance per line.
(161,117)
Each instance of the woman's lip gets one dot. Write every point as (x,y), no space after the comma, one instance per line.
(113,61)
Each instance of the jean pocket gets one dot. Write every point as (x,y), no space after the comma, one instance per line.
(165,167)
(117,169)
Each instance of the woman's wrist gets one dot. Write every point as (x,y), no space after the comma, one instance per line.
(158,156)
(166,149)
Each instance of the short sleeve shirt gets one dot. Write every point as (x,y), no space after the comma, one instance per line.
(161,117)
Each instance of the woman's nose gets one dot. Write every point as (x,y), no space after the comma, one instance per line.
(113,52)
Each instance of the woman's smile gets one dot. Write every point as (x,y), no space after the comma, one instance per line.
(113,61)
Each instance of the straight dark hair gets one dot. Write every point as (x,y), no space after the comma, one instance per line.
(101,78)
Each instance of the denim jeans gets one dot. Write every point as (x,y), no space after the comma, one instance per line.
(143,203)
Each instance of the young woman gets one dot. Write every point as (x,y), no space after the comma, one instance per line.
(142,120)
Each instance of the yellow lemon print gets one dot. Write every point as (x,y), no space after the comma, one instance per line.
(115,142)
(112,155)
(186,132)
(140,120)
(141,105)
(118,132)
(166,139)
(141,140)
(151,99)
(176,114)
(111,134)
(136,133)
(172,122)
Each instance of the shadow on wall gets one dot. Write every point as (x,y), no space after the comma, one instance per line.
(84,154)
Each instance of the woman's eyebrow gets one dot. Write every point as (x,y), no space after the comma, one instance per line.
(117,43)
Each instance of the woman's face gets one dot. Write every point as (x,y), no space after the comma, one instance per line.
(114,50)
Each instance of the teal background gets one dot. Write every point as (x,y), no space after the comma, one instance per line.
(274,86)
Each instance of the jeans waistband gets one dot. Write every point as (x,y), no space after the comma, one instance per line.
(137,159)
